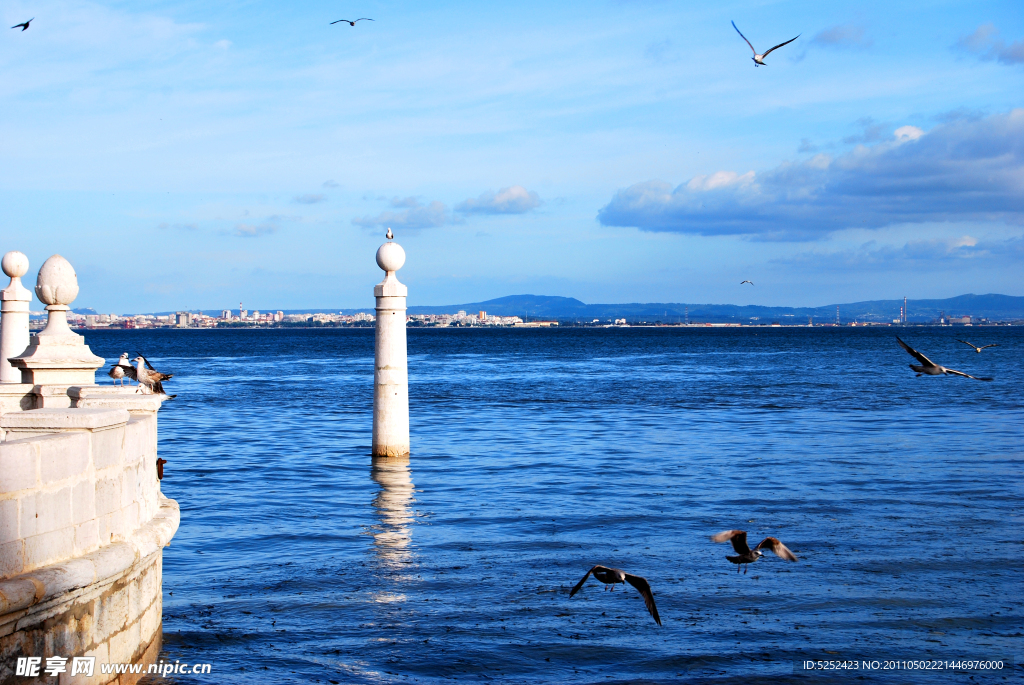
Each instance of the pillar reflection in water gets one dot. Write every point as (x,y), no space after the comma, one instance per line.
(393,534)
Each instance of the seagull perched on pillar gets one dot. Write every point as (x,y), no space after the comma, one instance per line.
(610,576)
(745,555)
(930,368)
(121,369)
(150,378)
(389,235)
(759,59)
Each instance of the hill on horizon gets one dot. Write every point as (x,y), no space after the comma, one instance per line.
(990,306)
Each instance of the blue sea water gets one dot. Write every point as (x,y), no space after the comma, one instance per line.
(539,453)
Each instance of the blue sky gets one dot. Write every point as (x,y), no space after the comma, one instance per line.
(182,155)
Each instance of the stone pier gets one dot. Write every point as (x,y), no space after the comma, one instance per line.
(83,523)
(390,368)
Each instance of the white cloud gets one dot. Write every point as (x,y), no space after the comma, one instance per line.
(959,171)
(851,35)
(986,44)
(416,215)
(253,230)
(511,200)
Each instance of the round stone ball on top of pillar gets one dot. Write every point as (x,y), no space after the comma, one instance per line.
(390,367)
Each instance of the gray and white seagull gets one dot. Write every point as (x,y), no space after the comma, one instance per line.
(351,23)
(750,282)
(976,348)
(150,378)
(745,555)
(610,576)
(122,369)
(759,59)
(930,368)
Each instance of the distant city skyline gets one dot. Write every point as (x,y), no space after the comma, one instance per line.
(615,152)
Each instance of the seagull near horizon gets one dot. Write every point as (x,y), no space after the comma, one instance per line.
(930,368)
(759,59)
(351,23)
(24,25)
(750,282)
(121,368)
(745,555)
(976,348)
(610,576)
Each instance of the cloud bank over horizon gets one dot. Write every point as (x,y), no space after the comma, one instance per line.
(963,170)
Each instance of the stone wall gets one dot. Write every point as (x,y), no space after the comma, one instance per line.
(82,528)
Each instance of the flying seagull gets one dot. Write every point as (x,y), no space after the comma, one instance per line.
(24,26)
(759,59)
(610,576)
(151,378)
(351,23)
(931,368)
(976,348)
(750,282)
(745,555)
(389,235)
(121,369)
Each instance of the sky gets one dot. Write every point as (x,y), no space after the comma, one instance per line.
(194,155)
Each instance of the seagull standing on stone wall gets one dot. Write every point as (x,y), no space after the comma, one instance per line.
(121,369)
(150,378)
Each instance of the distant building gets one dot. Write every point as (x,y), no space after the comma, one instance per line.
(279,316)
(226,314)
(182,319)
(483,316)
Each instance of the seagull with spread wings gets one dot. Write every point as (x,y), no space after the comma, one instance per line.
(750,282)
(24,25)
(976,348)
(610,576)
(759,59)
(351,23)
(122,369)
(745,555)
(930,368)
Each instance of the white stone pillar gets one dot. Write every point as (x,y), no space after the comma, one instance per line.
(390,366)
(57,357)
(14,306)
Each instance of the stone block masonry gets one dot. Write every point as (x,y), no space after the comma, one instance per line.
(83,523)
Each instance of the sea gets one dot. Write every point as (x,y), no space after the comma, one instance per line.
(537,454)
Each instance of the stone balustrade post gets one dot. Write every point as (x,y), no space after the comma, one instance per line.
(390,368)
(14,306)
(57,357)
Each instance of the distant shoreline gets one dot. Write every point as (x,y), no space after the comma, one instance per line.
(561,326)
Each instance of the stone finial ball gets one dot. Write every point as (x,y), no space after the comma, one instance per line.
(15,264)
(57,282)
(390,256)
